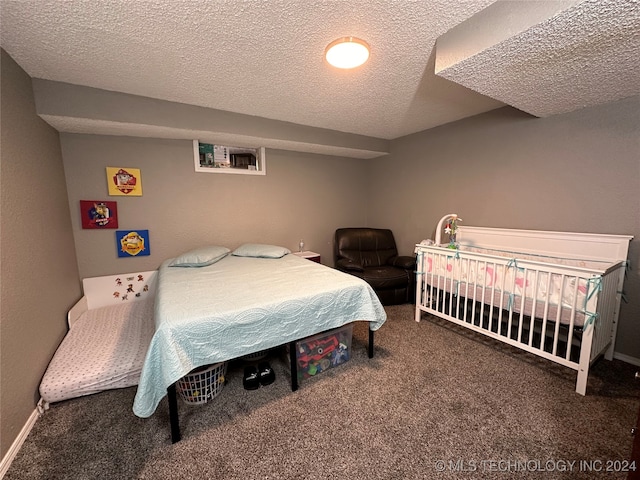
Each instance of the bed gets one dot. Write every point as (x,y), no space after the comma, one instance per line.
(110,329)
(240,304)
(554,294)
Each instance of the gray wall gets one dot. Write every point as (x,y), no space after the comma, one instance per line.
(38,261)
(578,172)
(303,196)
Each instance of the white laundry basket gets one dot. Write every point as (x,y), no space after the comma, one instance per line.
(202,384)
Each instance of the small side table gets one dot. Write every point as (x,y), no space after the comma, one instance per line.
(313,256)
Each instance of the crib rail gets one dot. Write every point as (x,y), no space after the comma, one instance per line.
(553,311)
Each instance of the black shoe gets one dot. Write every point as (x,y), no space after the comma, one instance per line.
(266,374)
(251,379)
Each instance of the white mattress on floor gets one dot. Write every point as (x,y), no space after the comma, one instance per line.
(104,350)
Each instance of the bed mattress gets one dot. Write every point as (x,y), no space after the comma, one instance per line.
(241,305)
(105,349)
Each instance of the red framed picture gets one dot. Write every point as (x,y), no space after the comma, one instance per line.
(99,214)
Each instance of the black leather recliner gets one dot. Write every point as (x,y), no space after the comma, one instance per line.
(371,254)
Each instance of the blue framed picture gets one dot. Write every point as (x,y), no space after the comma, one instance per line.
(132,243)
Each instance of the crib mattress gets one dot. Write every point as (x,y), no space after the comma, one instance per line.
(104,350)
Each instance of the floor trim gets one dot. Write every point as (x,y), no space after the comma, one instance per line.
(17,443)
(627,359)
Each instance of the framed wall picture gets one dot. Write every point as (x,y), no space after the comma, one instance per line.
(99,214)
(213,158)
(124,181)
(132,243)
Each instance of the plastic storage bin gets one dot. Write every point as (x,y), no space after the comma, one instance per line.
(202,384)
(323,351)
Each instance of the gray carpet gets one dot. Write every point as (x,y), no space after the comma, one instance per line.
(435,397)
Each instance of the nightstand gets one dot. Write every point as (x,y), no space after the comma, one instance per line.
(313,256)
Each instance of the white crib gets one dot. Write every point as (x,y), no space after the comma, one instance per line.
(554,294)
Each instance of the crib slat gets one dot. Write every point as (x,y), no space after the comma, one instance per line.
(475,293)
(512,290)
(522,304)
(494,290)
(483,293)
(451,283)
(572,317)
(505,296)
(545,314)
(533,307)
(558,311)
(466,293)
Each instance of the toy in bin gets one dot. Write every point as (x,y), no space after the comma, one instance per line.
(322,352)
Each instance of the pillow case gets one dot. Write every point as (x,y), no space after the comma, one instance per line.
(200,257)
(260,251)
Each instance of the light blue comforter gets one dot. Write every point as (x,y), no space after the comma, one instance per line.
(242,305)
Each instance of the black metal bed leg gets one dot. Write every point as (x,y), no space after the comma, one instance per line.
(173,413)
(294,366)
(371,343)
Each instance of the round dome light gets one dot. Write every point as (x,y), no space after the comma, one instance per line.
(347,52)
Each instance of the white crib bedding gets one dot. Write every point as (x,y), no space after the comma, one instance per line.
(502,284)
(507,301)
(105,349)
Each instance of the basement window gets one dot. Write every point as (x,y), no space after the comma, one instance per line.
(213,158)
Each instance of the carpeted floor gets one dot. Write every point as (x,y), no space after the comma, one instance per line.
(435,402)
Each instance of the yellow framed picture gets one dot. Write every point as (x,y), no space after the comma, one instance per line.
(124,181)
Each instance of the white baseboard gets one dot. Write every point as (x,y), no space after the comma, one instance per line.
(627,358)
(17,443)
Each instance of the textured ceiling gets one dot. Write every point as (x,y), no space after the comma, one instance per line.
(586,53)
(265,59)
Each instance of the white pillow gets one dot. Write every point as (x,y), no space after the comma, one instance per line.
(200,257)
(260,251)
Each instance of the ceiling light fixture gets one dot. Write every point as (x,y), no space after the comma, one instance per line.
(347,52)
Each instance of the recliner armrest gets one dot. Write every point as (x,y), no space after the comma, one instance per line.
(346,264)
(403,261)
